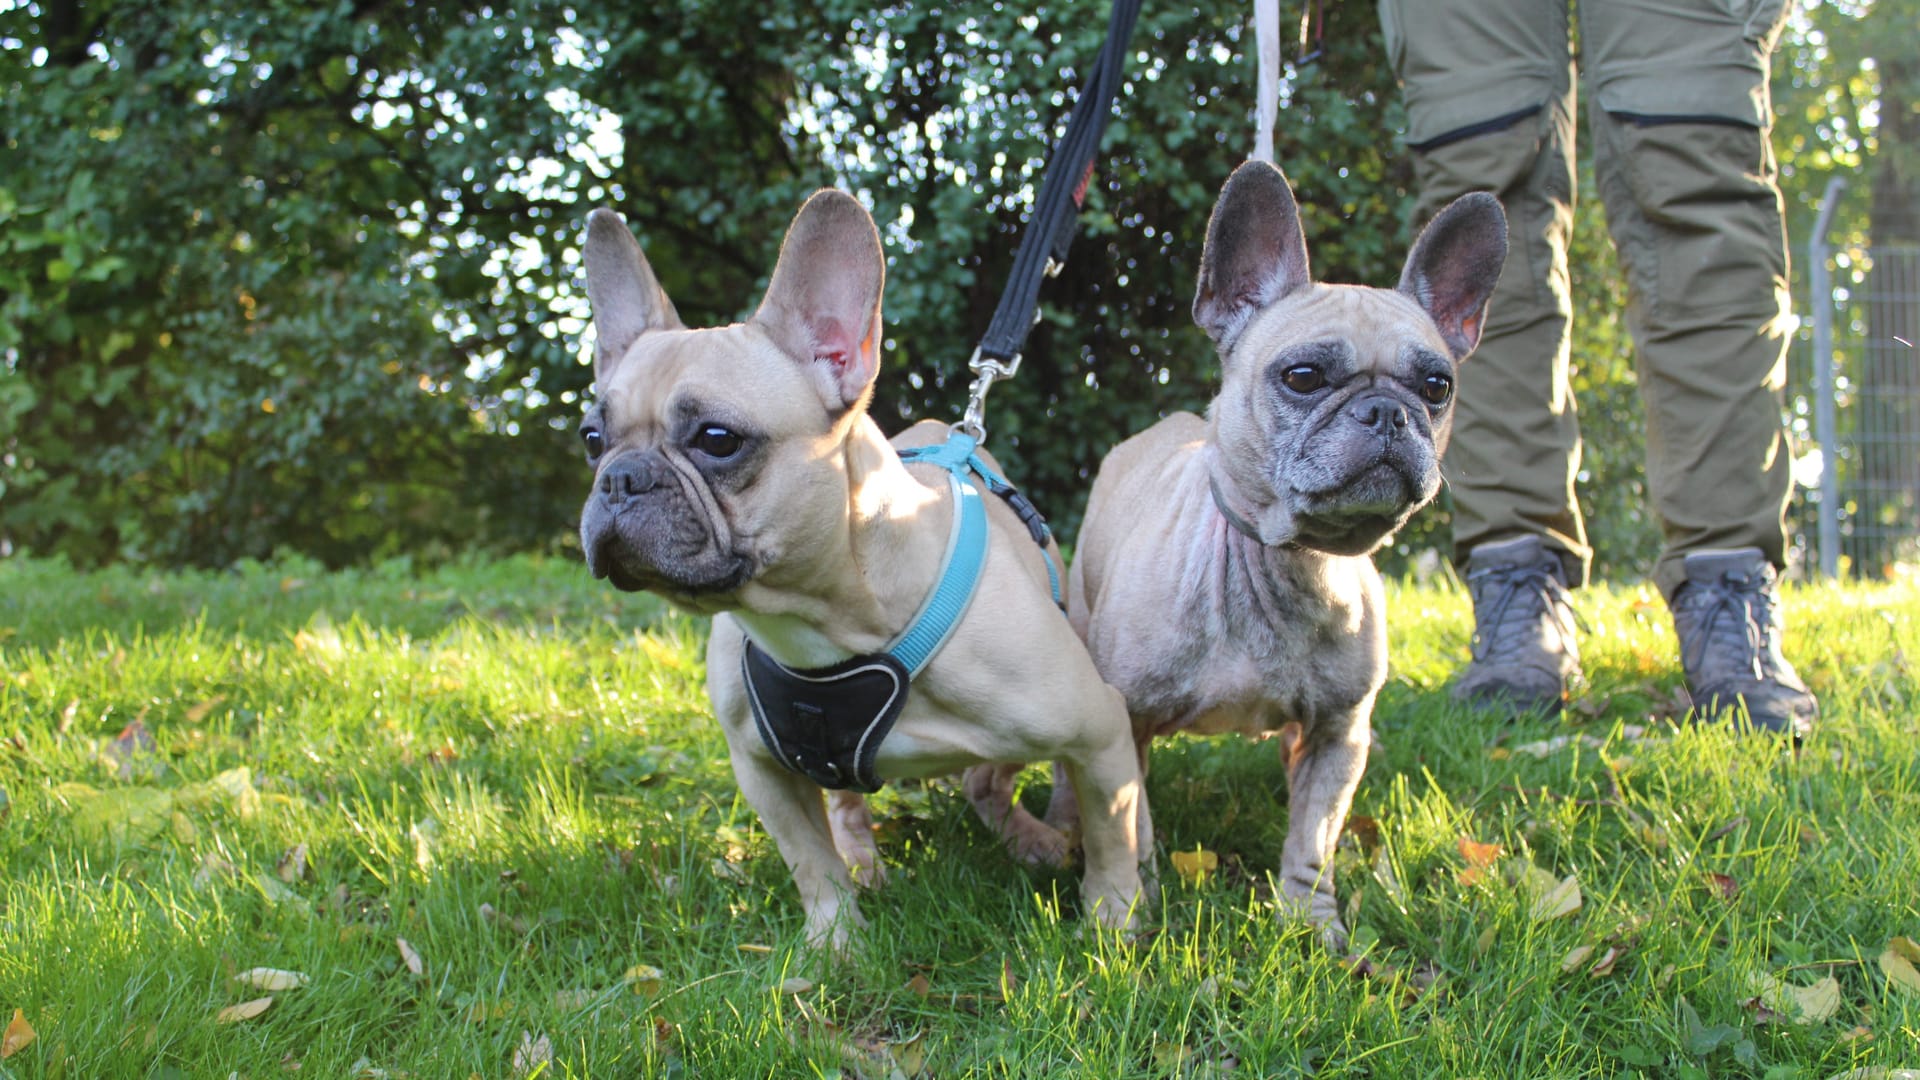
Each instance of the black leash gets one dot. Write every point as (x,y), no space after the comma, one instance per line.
(1043,248)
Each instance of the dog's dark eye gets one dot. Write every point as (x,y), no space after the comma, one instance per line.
(1437,389)
(1303,378)
(596,443)
(717,442)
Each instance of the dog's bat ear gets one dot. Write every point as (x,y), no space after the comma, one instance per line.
(1255,253)
(1454,266)
(823,304)
(627,299)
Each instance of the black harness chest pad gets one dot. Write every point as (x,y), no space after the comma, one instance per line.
(826,723)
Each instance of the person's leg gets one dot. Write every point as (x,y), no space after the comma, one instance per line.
(1680,120)
(1490,106)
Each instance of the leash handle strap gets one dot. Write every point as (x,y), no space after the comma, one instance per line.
(1063,187)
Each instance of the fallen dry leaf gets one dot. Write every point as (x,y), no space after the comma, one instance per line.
(1666,975)
(1560,901)
(246,1010)
(1478,854)
(1877,1072)
(133,751)
(644,979)
(1604,966)
(292,866)
(569,1000)
(1897,961)
(19,1033)
(1724,886)
(199,712)
(424,834)
(1194,866)
(1365,830)
(909,1055)
(263,978)
(1777,1000)
(1479,857)
(1574,958)
(919,986)
(128,815)
(411,957)
(532,1054)
(795,985)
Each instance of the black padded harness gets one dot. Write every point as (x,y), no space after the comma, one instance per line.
(826,723)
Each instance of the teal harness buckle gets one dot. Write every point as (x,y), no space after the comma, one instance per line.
(827,723)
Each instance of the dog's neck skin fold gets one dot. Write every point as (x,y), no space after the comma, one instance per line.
(819,607)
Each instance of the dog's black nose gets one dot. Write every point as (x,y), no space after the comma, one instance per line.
(1384,416)
(630,476)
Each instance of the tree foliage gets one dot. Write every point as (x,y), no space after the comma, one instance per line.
(303,273)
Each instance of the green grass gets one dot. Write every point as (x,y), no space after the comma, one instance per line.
(512,768)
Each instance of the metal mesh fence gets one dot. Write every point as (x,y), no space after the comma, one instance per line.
(1866,407)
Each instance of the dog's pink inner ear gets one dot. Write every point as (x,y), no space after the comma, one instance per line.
(835,344)
(1455,264)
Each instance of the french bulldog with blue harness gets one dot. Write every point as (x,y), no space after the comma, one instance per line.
(881,610)
(1223,580)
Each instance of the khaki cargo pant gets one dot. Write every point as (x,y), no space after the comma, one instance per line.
(1680,117)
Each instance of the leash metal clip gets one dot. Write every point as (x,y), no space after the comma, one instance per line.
(986,371)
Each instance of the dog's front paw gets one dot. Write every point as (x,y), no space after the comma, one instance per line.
(1317,909)
(835,934)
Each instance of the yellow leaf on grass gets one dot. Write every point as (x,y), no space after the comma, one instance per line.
(1898,963)
(910,1055)
(645,979)
(1478,854)
(410,956)
(1479,857)
(19,1034)
(532,1054)
(1604,966)
(1801,1004)
(246,1010)
(1558,902)
(263,978)
(1193,866)
(128,815)
(1575,957)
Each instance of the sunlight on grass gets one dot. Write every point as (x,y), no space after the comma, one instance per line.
(513,770)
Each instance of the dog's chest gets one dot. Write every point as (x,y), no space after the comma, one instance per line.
(1253,644)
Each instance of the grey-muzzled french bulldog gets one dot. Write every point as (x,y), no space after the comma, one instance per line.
(1223,581)
(737,474)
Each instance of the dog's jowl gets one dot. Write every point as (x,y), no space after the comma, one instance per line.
(737,473)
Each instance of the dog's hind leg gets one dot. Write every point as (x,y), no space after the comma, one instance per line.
(1322,775)
(852,825)
(990,789)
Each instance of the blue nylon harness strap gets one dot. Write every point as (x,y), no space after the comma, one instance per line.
(827,723)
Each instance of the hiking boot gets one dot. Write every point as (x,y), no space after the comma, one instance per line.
(1524,650)
(1727,615)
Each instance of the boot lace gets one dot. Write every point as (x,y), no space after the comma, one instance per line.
(1737,614)
(1534,589)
